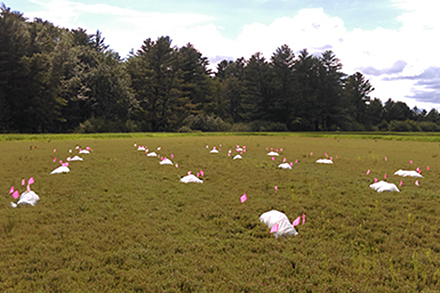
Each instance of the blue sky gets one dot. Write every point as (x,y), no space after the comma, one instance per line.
(392,42)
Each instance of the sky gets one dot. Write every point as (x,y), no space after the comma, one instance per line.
(393,43)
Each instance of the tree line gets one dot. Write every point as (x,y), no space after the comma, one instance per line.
(55,79)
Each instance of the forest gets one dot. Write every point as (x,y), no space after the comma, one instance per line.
(58,80)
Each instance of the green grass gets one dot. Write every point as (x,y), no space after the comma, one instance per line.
(120,222)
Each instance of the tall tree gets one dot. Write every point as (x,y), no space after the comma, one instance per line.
(330,91)
(356,96)
(305,113)
(195,79)
(157,82)
(14,44)
(258,97)
(283,61)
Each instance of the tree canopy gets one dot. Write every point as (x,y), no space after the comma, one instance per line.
(54,79)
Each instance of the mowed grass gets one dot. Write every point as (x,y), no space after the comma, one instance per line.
(120,222)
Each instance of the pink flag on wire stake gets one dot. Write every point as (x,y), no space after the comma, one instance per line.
(385,176)
(296,161)
(28,188)
(54,159)
(16,194)
(273,158)
(291,164)
(243,198)
(198,174)
(189,172)
(284,160)
(304,219)
(296,221)
(400,184)
(177,165)
(202,173)
(274,228)
(375,180)
(410,161)
(368,172)
(54,150)
(311,154)
(172,156)
(417,182)
(11,190)
(276,189)
(31,180)
(427,168)
(23,182)
(386,159)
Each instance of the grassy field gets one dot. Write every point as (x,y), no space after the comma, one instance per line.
(120,222)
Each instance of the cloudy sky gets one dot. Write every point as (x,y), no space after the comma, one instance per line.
(394,43)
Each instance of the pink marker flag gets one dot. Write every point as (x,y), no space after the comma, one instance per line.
(427,168)
(88,148)
(418,169)
(54,150)
(281,149)
(368,172)
(400,184)
(311,154)
(291,164)
(325,154)
(417,182)
(198,174)
(304,219)
(31,180)
(375,180)
(229,154)
(177,165)
(54,159)
(296,161)
(23,182)
(331,158)
(276,189)
(11,190)
(273,158)
(28,188)
(385,176)
(386,158)
(172,156)
(16,194)
(189,172)
(274,228)
(296,221)
(284,160)
(202,173)
(276,150)
(410,161)
(243,198)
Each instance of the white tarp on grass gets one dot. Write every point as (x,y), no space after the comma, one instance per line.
(76,158)
(382,186)
(191,178)
(238,157)
(273,217)
(284,166)
(166,161)
(273,154)
(324,161)
(406,173)
(27,198)
(152,154)
(84,152)
(61,169)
